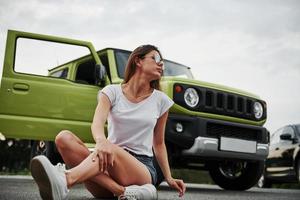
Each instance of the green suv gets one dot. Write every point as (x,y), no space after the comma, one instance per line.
(210,127)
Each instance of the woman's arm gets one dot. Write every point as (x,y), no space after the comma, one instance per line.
(103,146)
(100,118)
(160,151)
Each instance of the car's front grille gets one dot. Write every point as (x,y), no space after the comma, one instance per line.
(221,102)
(218,130)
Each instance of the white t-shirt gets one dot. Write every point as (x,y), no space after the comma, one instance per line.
(131,125)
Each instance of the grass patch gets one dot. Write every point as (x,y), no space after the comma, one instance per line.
(15,172)
(287,186)
(192,176)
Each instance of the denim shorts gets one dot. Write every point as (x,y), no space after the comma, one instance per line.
(148,162)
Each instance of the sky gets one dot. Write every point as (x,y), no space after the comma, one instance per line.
(253,45)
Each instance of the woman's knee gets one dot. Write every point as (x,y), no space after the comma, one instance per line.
(63,138)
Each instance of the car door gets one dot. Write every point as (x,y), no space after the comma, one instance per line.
(34,105)
(274,155)
(280,159)
(286,149)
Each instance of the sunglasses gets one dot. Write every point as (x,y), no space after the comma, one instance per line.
(158,60)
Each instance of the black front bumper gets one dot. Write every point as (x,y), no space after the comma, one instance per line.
(201,137)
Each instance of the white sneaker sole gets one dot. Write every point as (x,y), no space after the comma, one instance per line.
(149,189)
(155,197)
(38,168)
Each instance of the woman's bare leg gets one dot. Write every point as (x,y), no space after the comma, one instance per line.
(73,152)
(126,170)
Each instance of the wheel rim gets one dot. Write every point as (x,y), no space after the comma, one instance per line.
(232,170)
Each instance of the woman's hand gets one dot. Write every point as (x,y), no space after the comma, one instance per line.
(104,152)
(177,184)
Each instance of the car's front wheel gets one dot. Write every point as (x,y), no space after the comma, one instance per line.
(235,175)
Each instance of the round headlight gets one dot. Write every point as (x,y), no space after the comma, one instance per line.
(191,97)
(258,110)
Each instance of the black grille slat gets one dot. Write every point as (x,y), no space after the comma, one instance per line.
(220,102)
(248,106)
(218,130)
(230,102)
(209,98)
(240,104)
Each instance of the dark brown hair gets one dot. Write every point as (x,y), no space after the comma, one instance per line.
(140,52)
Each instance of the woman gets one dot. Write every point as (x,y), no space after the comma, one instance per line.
(121,164)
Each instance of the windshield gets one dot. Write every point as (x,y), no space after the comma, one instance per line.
(298,127)
(171,68)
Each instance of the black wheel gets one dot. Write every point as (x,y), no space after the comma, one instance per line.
(46,148)
(235,175)
(298,169)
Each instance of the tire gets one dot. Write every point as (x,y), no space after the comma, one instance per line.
(235,175)
(46,148)
(298,169)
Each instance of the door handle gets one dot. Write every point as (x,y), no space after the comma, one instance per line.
(21,87)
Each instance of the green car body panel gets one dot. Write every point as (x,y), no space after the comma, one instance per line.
(36,108)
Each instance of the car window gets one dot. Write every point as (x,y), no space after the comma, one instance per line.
(298,128)
(85,73)
(275,136)
(289,130)
(61,73)
(104,60)
(37,56)
(177,70)
(171,68)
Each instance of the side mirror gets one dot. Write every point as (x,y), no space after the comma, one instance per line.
(100,74)
(286,136)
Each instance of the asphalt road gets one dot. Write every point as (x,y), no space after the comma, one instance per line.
(23,187)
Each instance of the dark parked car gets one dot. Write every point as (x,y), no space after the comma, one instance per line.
(283,162)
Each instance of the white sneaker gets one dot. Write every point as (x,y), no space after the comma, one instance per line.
(50,179)
(143,192)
